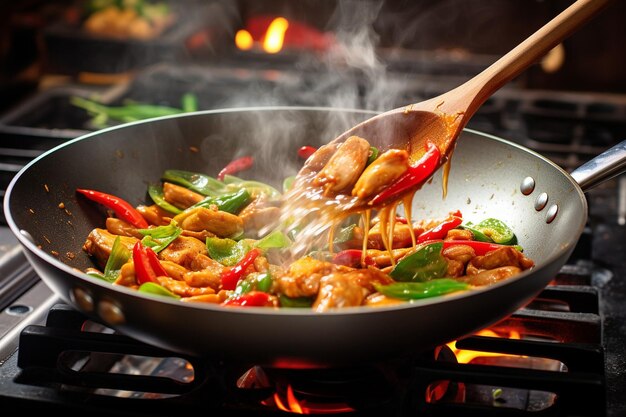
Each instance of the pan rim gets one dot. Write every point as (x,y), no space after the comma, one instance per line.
(25,241)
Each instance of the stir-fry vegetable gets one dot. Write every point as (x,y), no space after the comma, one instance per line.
(122,208)
(103,115)
(147,265)
(413,177)
(236,166)
(227,240)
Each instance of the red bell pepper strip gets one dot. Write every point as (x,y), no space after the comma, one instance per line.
(415,176)
(121,208)
(147,265)
(231,277)
(235,166)
(352,257)
(250,299)
(441,230)
(306,151)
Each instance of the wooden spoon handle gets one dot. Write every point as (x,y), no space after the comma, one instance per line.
(468,97)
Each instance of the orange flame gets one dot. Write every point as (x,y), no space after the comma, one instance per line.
(295,406)
(243,40)
(275,35)
(466,356)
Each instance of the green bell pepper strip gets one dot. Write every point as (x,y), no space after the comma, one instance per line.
(419,290)
(127,112)
(295,302)
(497,231)
(373,154)
(255,188)
(189,102)
(156,194)
(424,264)
(258,282)
(158,238)
(288,183)
(118,257)
(477,234)
(274,240)
(226,251)
(231,203)
(154,288)
(200,183)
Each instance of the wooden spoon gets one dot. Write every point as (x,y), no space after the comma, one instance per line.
(441,119)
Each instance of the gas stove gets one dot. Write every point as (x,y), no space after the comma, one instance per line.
(561,355)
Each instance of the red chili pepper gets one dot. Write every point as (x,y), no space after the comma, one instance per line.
(147,265)
(122,209)
(239,164)
(352,257)
(250,299)
(400,219)
(441,230)
(306,151)
(231,277)
(413,177)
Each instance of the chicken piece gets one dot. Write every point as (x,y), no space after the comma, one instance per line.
(174,270)
(99,243)
(382,258)
(256,220)
(180,197)
(491,276)
(218,298)
(401,236)
(458,256)
(303,277)
(127,275)
(380,300)
(182,288)
(183,250)
(388,167)
(222,223)
(345,167)
(120,227)
(205,278)
(348,288)
(201,235)
(459,234)
(505,256)
(155,215)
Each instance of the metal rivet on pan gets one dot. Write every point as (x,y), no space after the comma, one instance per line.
(82,299)
(528,185)
(551,213)
(541,201)
(110,313)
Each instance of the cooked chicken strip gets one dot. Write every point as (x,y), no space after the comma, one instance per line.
(388,167)
(100,242)
(180,197)
(345,167)
(222,223)
(183,251)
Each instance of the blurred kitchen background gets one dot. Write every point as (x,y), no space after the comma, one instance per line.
(71,67)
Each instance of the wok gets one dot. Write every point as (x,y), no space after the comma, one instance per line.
(489,177)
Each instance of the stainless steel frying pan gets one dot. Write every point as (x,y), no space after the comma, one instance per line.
(490,177)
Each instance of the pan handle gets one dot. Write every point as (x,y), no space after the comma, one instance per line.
(603,167)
